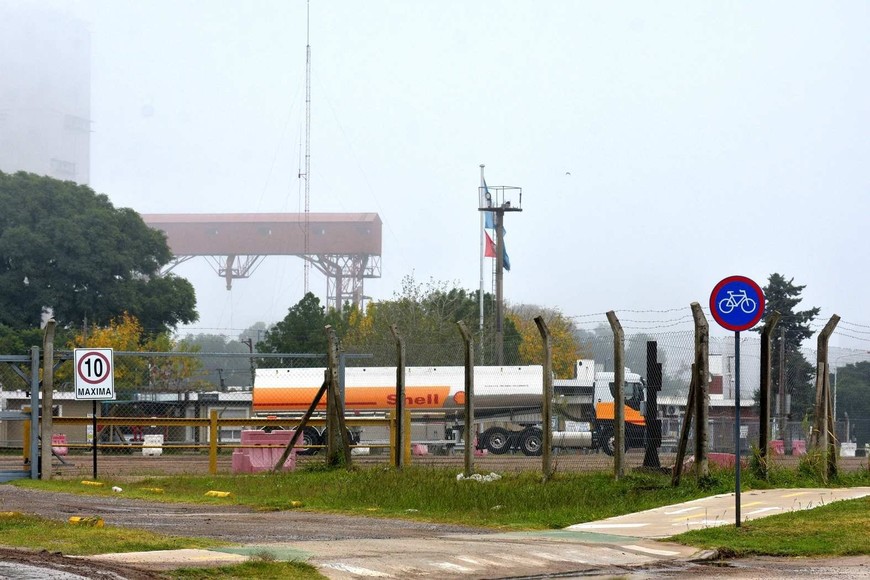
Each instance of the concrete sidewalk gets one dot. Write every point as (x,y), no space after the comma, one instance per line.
(613,544)
(718,510)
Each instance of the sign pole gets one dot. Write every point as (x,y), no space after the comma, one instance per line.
(737,427)
(95,381)
(94,417)
(737,303)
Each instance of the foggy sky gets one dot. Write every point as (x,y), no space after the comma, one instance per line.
(702,140)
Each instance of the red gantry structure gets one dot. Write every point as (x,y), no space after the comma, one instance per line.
(346,247)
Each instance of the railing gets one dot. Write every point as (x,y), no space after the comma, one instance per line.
(213,423)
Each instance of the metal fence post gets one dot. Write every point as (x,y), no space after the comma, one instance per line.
(212,441)
(468,432)
(618,395)
(653,431)
(33,431)
(400,396)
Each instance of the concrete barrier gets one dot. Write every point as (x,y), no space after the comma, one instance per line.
(848,449)
(257,459)
(152,445)
(58,444)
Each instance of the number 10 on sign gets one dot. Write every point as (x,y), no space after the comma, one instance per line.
(95,374)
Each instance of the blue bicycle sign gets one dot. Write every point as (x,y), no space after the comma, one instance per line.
(737,303)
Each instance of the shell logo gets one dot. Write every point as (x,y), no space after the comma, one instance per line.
(459,398)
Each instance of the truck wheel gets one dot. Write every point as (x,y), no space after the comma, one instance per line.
(532,441)
(497,440)
(607,440)
(310,436)
(324,438)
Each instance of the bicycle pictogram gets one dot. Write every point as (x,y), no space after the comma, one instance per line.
(737,299)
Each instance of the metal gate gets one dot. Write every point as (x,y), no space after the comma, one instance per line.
(19,375)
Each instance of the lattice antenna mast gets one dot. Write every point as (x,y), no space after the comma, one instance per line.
(307,261)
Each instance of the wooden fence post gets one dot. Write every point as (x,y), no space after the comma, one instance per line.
(618,395)
(683,442)
(824,436)
(546,400)
(468,432)
(46,426)
(337,445)
(702,393)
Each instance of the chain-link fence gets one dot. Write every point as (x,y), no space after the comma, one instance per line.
(165,404)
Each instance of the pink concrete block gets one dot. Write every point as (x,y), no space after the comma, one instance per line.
(778,447)
(257,459)
(241,463)
(419,449)
(798,447)
(58,444)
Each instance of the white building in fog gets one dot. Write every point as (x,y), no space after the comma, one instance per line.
(45,94)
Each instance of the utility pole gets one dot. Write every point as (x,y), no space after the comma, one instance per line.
(498,200)
(250,342)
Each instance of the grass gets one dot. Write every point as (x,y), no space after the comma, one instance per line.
(34,533)
(255,569)
(516,501)
(839,529)
(24,531)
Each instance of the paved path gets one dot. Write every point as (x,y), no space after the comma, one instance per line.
(613,546)
(718,510)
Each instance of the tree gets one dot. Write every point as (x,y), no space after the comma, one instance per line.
(426,316)
(564,347)
(635,353)
(254,333)
(301,331)
(597,344)
(853,398)
(67,251)
(14,341)
(783,295)
(224,371)
(139,373)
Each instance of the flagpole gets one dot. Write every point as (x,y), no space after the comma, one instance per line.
(482,254)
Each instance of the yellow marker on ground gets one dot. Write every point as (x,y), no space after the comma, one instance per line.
(9,514)
(214,493)
(153,489)
(93,521)
(97,483)
(296,503)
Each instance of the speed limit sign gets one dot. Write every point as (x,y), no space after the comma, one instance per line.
(95,374)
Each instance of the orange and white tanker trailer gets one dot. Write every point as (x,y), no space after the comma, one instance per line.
(507,402)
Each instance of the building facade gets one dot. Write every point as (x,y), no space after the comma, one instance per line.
(45,122)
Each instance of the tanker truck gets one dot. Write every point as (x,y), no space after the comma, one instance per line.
(507,403)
